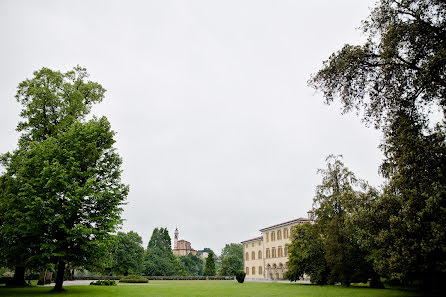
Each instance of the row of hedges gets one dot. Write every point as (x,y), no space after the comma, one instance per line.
(133,279)
(106,282)
(158,277)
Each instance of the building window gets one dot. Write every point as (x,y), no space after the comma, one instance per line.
(267,254)
(260,269)
(247,270)
(246,245)
(259,255)
(252,244)
(253,270)
(267,237)
(279,251)
(260,243)
(273,236)
(286,251)
(279,235)
(285,233)
(246,257)
(253,255)
(273,252)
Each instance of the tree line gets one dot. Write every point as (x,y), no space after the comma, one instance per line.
(129,257)
(396,81)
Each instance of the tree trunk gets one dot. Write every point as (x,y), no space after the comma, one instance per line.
(42,278)
(60,276)
(19,277)
(49,277)
(375,281)
(70,274)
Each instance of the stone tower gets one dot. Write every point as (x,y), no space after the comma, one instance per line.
(175,239)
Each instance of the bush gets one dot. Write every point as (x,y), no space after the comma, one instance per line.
(240,276)
(133,279)
(107,282)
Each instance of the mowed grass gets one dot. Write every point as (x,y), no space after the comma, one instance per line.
(208,288)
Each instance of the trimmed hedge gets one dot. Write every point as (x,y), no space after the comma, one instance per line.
(240,276)
(106,282)
(157,277)
(133,279)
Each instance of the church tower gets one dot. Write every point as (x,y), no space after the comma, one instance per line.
(175,239)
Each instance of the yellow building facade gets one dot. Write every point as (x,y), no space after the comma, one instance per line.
(266,256)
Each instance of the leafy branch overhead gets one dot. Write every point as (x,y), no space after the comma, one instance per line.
(400,67)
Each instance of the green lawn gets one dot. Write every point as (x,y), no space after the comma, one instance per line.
(208,288)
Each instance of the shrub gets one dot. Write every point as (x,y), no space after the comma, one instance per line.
(133,279)
(240,276)
(107,282)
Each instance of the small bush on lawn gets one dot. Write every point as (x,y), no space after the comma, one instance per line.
(133,279)
(240,276)
(107,282)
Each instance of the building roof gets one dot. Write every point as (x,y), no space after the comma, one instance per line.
(253,239)
(298,220)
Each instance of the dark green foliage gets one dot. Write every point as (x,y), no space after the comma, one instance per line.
(409,239)
(133,279)
(397,78)
(231,259)
(159,258)
(193,264)
(127,255)
(307,255)
(209,267)
(103,283)
(240,276)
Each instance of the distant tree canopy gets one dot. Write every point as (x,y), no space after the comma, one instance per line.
(193,264)
(159,258)
(61,194)
(231,259)
(397,79)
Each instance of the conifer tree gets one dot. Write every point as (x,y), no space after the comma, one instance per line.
(209,266)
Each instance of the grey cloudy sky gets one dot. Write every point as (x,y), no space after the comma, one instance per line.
(219,133)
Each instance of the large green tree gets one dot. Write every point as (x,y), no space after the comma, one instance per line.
(61,192)
(231,259)
(159,258)
(127,254)
(397,79)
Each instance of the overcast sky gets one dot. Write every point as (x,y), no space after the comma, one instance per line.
(219,133)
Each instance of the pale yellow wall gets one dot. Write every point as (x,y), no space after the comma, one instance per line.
(253,246)
(268,244)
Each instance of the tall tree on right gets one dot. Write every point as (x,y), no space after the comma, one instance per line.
(395,80)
